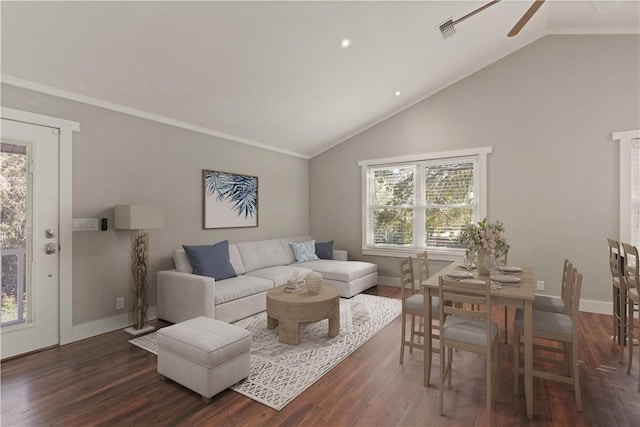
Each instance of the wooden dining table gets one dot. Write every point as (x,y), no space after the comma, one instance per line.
(520,294)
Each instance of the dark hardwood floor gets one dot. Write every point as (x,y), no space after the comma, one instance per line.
(106,381)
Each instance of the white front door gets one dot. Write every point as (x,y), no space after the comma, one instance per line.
(29,237)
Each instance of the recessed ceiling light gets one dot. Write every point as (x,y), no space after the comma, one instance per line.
(345,43)
(397,93)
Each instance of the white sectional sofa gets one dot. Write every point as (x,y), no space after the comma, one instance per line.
(260,266)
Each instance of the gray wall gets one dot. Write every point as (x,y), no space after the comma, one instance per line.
(122,159)
(548,111)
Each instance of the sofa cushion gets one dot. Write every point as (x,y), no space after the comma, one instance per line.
(305,251)
(235,259)
(340,270)
(261,254)
(279,274)
(240,287)
(181,261)
(324,250)
(211,260)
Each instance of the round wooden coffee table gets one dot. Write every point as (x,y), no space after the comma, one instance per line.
(291,309)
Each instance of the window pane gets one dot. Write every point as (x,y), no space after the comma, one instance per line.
(13,231)
(449,184)
(393,187)
(393,226)
(443,226)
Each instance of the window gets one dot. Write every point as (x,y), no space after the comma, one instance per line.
(422,202)
(629,185)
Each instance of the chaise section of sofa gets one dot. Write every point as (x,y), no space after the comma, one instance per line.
(260,266)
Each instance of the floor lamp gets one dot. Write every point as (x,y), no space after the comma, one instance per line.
(139,218)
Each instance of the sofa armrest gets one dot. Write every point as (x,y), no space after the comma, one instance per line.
(183,296)
(340,255)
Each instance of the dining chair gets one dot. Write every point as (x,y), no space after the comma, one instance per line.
(467,329)
(502,261)
(423,266)
(629,286)
(554,304)
(412,306)
(423,275)
(559,327)
(615,265)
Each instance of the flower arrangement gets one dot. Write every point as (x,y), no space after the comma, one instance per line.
(485,235)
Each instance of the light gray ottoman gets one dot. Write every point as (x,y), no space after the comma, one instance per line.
(204,355)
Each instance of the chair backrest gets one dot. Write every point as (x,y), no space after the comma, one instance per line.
(574,295)
(615,262)
(631,272)
(567,272)
(406,278)
(464,295)
(423,267)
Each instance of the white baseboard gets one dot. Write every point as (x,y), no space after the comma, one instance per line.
(102,326)
(389,281)
(589,306)
(598,307)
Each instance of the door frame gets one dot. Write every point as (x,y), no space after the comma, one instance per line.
(65,211)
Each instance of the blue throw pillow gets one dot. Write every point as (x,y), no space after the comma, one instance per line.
(211,260)
(305,251)
(324,250)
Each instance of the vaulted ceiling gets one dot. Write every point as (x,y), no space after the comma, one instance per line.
(273,74)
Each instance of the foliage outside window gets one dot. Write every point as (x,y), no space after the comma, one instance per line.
(13,196)
(421,203)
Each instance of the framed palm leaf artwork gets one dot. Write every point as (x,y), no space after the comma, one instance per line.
(230,200)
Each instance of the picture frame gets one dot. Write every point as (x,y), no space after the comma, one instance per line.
(230,200)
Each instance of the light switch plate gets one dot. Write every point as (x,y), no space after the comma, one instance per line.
(85,224)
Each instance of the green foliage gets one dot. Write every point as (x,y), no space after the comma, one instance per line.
(394,188)
(13,196)
(9,308)
(450,188)
(485,235)
(448,193)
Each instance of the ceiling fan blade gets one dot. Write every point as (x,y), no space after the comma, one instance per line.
(525,18)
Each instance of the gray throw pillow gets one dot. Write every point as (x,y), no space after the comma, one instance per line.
(211,260)
(324,250)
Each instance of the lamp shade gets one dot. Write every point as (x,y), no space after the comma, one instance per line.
(138,217)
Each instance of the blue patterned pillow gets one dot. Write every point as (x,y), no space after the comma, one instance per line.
(211,260)
(305,251)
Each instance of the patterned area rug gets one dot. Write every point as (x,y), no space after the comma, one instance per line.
(280,372)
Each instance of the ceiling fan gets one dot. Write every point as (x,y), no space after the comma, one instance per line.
(447,29)
(602,6)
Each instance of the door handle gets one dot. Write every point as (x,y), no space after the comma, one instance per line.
(50,248)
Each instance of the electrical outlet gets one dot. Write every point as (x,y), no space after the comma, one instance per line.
(540,285)
(119,303)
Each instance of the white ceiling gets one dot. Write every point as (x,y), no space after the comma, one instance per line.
(271,74)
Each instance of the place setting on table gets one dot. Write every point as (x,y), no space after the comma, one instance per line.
(499,275)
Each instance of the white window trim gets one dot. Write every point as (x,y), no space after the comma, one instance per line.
(443,254)
(625,138)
